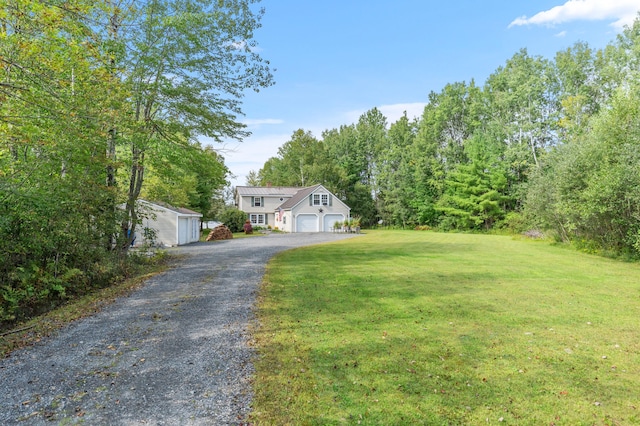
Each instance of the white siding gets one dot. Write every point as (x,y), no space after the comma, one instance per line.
(164,224)
(170,227)
(286,223)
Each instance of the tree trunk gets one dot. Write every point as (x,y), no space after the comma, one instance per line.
(136,178)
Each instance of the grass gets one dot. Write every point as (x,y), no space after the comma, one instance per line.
(405,327)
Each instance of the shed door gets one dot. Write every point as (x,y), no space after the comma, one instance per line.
(183,230)
(195,230)
(306,223)
(329,220)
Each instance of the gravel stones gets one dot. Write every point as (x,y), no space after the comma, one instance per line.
(174,352)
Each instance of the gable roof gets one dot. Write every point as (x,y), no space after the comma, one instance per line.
(296,194)
(298,197)
(269,191)
(179,210)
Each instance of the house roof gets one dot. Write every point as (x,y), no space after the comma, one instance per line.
(296,194)
(298,197)
(179,210)
(262,191)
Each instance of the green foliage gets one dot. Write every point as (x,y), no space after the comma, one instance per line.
(302,161)
(233,219)
(394,201)
(474,192)
(337,163)
(516,223)
(95,97)
(588,192)
(546,145)
(189,176)
(81,306)
(185,64)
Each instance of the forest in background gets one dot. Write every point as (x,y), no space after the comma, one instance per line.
(102,102)
(550,145)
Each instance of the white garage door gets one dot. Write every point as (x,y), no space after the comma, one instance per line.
(183,230)
(329,220)
(306,223)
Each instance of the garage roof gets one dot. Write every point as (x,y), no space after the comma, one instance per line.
(300,195)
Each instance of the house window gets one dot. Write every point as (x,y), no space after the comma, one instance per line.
(320,199)
(257,201)
(257,219)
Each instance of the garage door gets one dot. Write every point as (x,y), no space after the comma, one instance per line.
(183,230)
(329,220)
(306,223)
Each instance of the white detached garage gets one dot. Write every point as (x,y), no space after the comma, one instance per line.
(169,225)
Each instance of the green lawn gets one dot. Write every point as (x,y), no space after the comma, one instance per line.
(406,327)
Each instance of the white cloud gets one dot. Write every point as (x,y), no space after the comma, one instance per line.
(623,12)
(251,154)
(561,34)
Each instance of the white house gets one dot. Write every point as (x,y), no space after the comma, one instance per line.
(169,226)
(291,209)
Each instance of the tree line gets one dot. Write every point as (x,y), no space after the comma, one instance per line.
(546,144)
(102,102)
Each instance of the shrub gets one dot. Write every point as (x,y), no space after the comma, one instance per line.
(515,222)
(355,221)
(233,219)
(248,229)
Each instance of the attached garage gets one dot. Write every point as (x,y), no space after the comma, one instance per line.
(306,223)
(311,209)
(329,220)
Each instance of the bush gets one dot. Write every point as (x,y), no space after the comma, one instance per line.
(515,223)
(233,219)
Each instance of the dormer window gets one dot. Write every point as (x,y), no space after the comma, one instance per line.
(321,200)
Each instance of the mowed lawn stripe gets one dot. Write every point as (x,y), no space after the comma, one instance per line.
(406,327)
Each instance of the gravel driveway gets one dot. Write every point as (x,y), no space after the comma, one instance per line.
(174,352)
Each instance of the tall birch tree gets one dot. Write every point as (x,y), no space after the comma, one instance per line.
(187,64)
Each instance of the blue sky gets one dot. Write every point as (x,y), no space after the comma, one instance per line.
(335,60)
